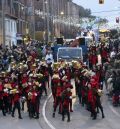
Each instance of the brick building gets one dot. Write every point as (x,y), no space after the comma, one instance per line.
(18,19)
(41,19)
(62,14)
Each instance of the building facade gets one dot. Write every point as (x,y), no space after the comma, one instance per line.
(61,15)
(17,20)
(41,19)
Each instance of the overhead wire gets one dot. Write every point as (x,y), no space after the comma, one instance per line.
(106,11)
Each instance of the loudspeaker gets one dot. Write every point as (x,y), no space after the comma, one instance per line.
(82,41)
(60,41)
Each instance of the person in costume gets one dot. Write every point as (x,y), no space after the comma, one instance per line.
(1,99)
(57,98)
(32,100)
(92,102)
(68,85)
(98,94)
(66,104)
(6,95)
(16,101)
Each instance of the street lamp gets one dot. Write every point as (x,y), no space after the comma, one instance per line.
(62,13)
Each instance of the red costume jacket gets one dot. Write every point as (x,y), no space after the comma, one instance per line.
(68,74)
(1,87)
(104,54)
(58,91)
(90,58)
(24,80)
(34,96)
(1,92)
(91,98)
(94,59)
(94,84)
(66,102)
(68,85)
(16,97)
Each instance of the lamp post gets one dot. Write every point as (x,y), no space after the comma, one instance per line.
(48,26)
(46,9)
(44,32)
(61,22)
(34,20)
(3,22)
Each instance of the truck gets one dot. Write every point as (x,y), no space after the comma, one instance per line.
(69,53)
(81,43)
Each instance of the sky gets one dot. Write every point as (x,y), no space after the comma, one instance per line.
(107,6)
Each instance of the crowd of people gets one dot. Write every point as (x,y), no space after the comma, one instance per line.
(112,74)
(88,86)
(25,76)
(89,81)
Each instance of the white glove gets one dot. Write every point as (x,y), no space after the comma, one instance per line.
(29,83)
(63,72)
(23,97)
(6,90)
(17,91)
(35,94)
(40,85)
(70,97)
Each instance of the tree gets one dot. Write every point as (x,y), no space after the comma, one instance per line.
(100,22)
(84,12)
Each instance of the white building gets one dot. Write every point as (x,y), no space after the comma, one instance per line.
(10,31)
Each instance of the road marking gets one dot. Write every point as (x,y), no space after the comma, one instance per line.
(114,111)
(44,113)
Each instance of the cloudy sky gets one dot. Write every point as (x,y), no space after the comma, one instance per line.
(109,5)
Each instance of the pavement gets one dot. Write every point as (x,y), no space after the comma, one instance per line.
(80,118)
(9,122)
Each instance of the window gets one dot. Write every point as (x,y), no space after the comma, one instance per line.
(8,26)
(11,26)
(0,25)
(14,27)
(8,2)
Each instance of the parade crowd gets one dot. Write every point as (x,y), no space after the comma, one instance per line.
(89,80)
(25,77)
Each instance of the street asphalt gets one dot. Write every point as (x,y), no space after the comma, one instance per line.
(80,118)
